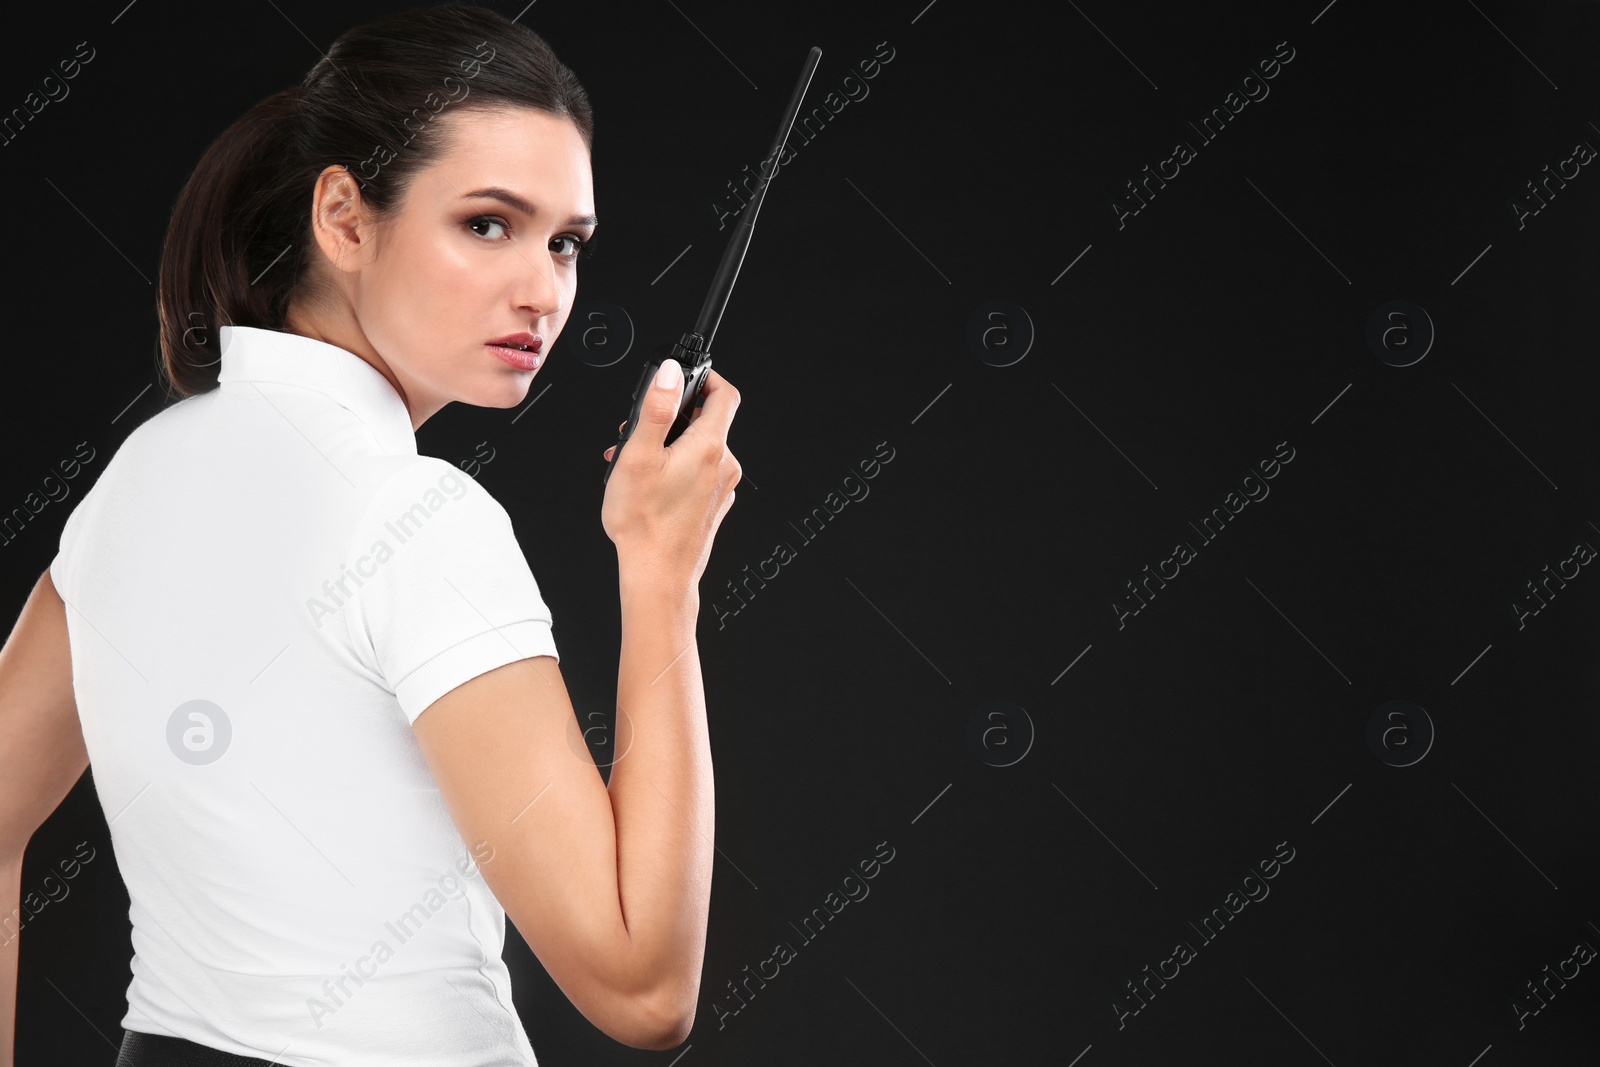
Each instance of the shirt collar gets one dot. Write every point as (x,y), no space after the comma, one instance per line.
(252,354)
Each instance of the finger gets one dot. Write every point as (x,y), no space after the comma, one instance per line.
(656,416)
(720,401)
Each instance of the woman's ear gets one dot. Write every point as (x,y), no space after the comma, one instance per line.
(340,219)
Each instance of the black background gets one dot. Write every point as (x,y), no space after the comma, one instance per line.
(1227,716)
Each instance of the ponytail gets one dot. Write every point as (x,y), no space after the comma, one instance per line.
(238,248)
(225,218)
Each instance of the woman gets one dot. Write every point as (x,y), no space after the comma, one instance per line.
(312,670)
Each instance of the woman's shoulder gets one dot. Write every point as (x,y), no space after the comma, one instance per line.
(397,476)
(404,492)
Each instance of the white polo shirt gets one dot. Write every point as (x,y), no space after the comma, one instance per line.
(264,589)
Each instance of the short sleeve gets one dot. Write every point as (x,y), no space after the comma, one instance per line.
(64,565)
(61,564)
(445,593)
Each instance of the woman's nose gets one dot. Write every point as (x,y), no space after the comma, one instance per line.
(539,291)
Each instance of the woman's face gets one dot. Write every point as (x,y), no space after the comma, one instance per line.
(457,267)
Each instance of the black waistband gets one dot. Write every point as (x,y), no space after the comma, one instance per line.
(156,1050)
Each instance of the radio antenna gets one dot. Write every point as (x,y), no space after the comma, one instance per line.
(739,242)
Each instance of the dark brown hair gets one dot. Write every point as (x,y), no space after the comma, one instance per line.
(238,248)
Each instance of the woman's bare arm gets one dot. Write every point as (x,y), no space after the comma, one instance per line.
(611,890)
(42,756)
(662,791)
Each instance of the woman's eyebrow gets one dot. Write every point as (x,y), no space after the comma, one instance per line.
(510,199)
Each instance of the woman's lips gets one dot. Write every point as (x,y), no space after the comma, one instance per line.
(517,357)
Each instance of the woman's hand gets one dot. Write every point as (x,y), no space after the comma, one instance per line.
(663,503)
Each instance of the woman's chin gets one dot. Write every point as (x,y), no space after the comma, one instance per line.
(506,390)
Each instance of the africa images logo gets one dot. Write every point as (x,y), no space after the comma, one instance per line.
(403,528)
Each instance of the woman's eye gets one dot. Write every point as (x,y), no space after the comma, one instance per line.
(575,244)
(484,220)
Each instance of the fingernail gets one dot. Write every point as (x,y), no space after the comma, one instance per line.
(670,374)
